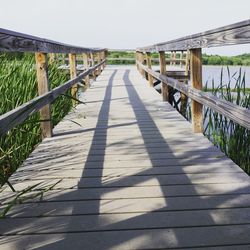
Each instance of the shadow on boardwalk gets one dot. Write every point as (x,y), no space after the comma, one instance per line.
(175,221)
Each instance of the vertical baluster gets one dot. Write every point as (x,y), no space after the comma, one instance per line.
(43,87)
(196,82)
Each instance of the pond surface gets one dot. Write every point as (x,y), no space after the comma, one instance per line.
(214,72)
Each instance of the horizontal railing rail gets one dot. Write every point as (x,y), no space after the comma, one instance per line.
(153,59)
(16,116)
(93,60)
(238,33)
(230,110)
(15,41)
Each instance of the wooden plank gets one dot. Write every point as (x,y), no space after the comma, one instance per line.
(128,181)
(129,221)
(129,174)
(76,171)
(15,41)
(109,193)
(43,88)
(19,114)
(215,237)
(196,83)
(238,33)
(135,205)
(232,111)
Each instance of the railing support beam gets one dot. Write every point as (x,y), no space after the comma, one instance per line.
(86,67)
(92,59)
(164,87)
(184,99)
(99,59)
(73,74)
(141,56)
(43,87)
(196,82)
(149,65)
(137,59)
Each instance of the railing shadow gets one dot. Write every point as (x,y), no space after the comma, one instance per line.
(142,224)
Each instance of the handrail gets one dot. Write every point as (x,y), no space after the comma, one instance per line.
(21,113)
(11,41)
(238,33)
(15,41)
(230,110)
(153,59)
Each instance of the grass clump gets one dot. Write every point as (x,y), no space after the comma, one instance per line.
(18,85)
(231,138)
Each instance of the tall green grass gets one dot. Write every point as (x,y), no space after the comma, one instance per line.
(231,138)
(17,86)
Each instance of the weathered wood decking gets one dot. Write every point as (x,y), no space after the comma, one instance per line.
(132,176)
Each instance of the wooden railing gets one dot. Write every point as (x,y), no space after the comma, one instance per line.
(155,60)
(17,42)
(238,33)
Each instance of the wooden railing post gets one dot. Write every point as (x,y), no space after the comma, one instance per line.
(171,58)
(149,65)
(105,57)
(102,59)
(137,59)
(164,87)
(92,59)
(73,74)
(43,87)
(86,67)
(174,58)
(181,58)
(143,62)
(140,60)
(196,82)
(187,63)
(99,61)
(184,99)
(51,57)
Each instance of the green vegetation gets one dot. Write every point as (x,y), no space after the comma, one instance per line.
(243,59)
(231,138)
(120,55)
(17,86)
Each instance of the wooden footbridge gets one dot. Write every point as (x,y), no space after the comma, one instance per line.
(125,170)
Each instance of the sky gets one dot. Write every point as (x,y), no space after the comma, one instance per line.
(122,24)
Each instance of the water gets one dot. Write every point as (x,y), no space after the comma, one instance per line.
(214,72)
(211,72)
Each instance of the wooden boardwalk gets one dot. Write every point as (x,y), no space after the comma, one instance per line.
(125,171)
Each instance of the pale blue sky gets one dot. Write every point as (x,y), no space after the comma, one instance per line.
(122,23)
